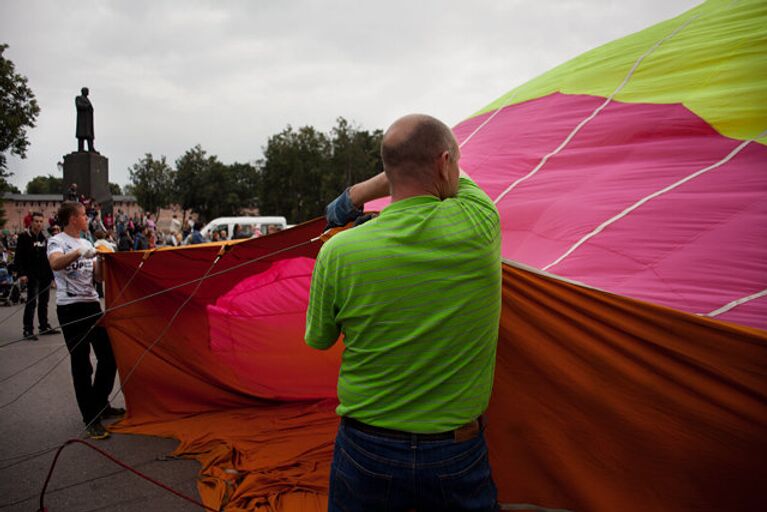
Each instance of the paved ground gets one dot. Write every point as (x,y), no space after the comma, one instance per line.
(47,415)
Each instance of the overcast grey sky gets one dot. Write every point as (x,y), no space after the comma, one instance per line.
(165,75)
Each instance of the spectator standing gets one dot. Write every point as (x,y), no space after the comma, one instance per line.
(151,237)
(137,221)
(175,225)
(109,221)
(140,241)
(96,223)
(75,266)
(73,194)
(121,222)
(196,237)
(35,271)
(150,223)
(124,242)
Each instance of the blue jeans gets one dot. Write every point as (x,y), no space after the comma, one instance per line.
(372,473)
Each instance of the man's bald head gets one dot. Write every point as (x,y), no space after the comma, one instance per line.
(412,145)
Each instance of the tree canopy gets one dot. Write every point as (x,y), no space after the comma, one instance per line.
(152,182)
(304,169)
(45,185)
(301,171)
(211,188)
(18,111)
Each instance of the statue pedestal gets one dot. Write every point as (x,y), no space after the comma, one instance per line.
(91,173)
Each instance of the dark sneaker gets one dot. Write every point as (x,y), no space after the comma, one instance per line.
(112,412)
(48,330)
(97,431)
(29,335)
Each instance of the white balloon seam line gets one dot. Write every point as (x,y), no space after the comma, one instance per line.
(476,130)
(645,199)
(736,303)
(595,112)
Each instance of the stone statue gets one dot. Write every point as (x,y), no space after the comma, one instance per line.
(84,121)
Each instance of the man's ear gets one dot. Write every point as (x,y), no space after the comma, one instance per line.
(443,166)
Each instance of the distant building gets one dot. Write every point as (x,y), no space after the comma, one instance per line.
(17,206)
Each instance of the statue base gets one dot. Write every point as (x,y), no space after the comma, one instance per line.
(90,170)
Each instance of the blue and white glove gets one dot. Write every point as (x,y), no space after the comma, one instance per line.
(341,211)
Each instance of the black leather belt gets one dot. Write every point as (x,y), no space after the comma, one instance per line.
(464,433)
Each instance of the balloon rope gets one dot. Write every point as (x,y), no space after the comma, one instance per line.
(114,459)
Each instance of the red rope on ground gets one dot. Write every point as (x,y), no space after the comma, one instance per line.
(119,463)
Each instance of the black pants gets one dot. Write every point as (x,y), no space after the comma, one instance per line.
(92,396)
(35,286)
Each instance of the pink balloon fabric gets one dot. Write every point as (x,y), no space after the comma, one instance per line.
(247,322)
(596,211)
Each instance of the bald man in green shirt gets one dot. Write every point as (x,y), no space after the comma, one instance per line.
(416,293)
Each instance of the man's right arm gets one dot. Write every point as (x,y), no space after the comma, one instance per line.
(369,190)
(348,206)
(60,260)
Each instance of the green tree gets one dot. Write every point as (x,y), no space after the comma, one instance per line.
(45,185)
(292,171)
(239,188)
(152,182)
(18,111)
(114,189)
(304,169)
(356,156)
(211,188)
(192,170)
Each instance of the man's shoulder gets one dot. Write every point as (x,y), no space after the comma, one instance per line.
(364,235)
(64,239)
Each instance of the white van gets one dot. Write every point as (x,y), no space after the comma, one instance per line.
(247,227)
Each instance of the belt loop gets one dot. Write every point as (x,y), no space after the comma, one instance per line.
(414,441)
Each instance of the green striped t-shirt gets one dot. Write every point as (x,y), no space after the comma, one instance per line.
(417,294)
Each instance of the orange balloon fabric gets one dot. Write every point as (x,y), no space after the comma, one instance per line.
(606,403)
